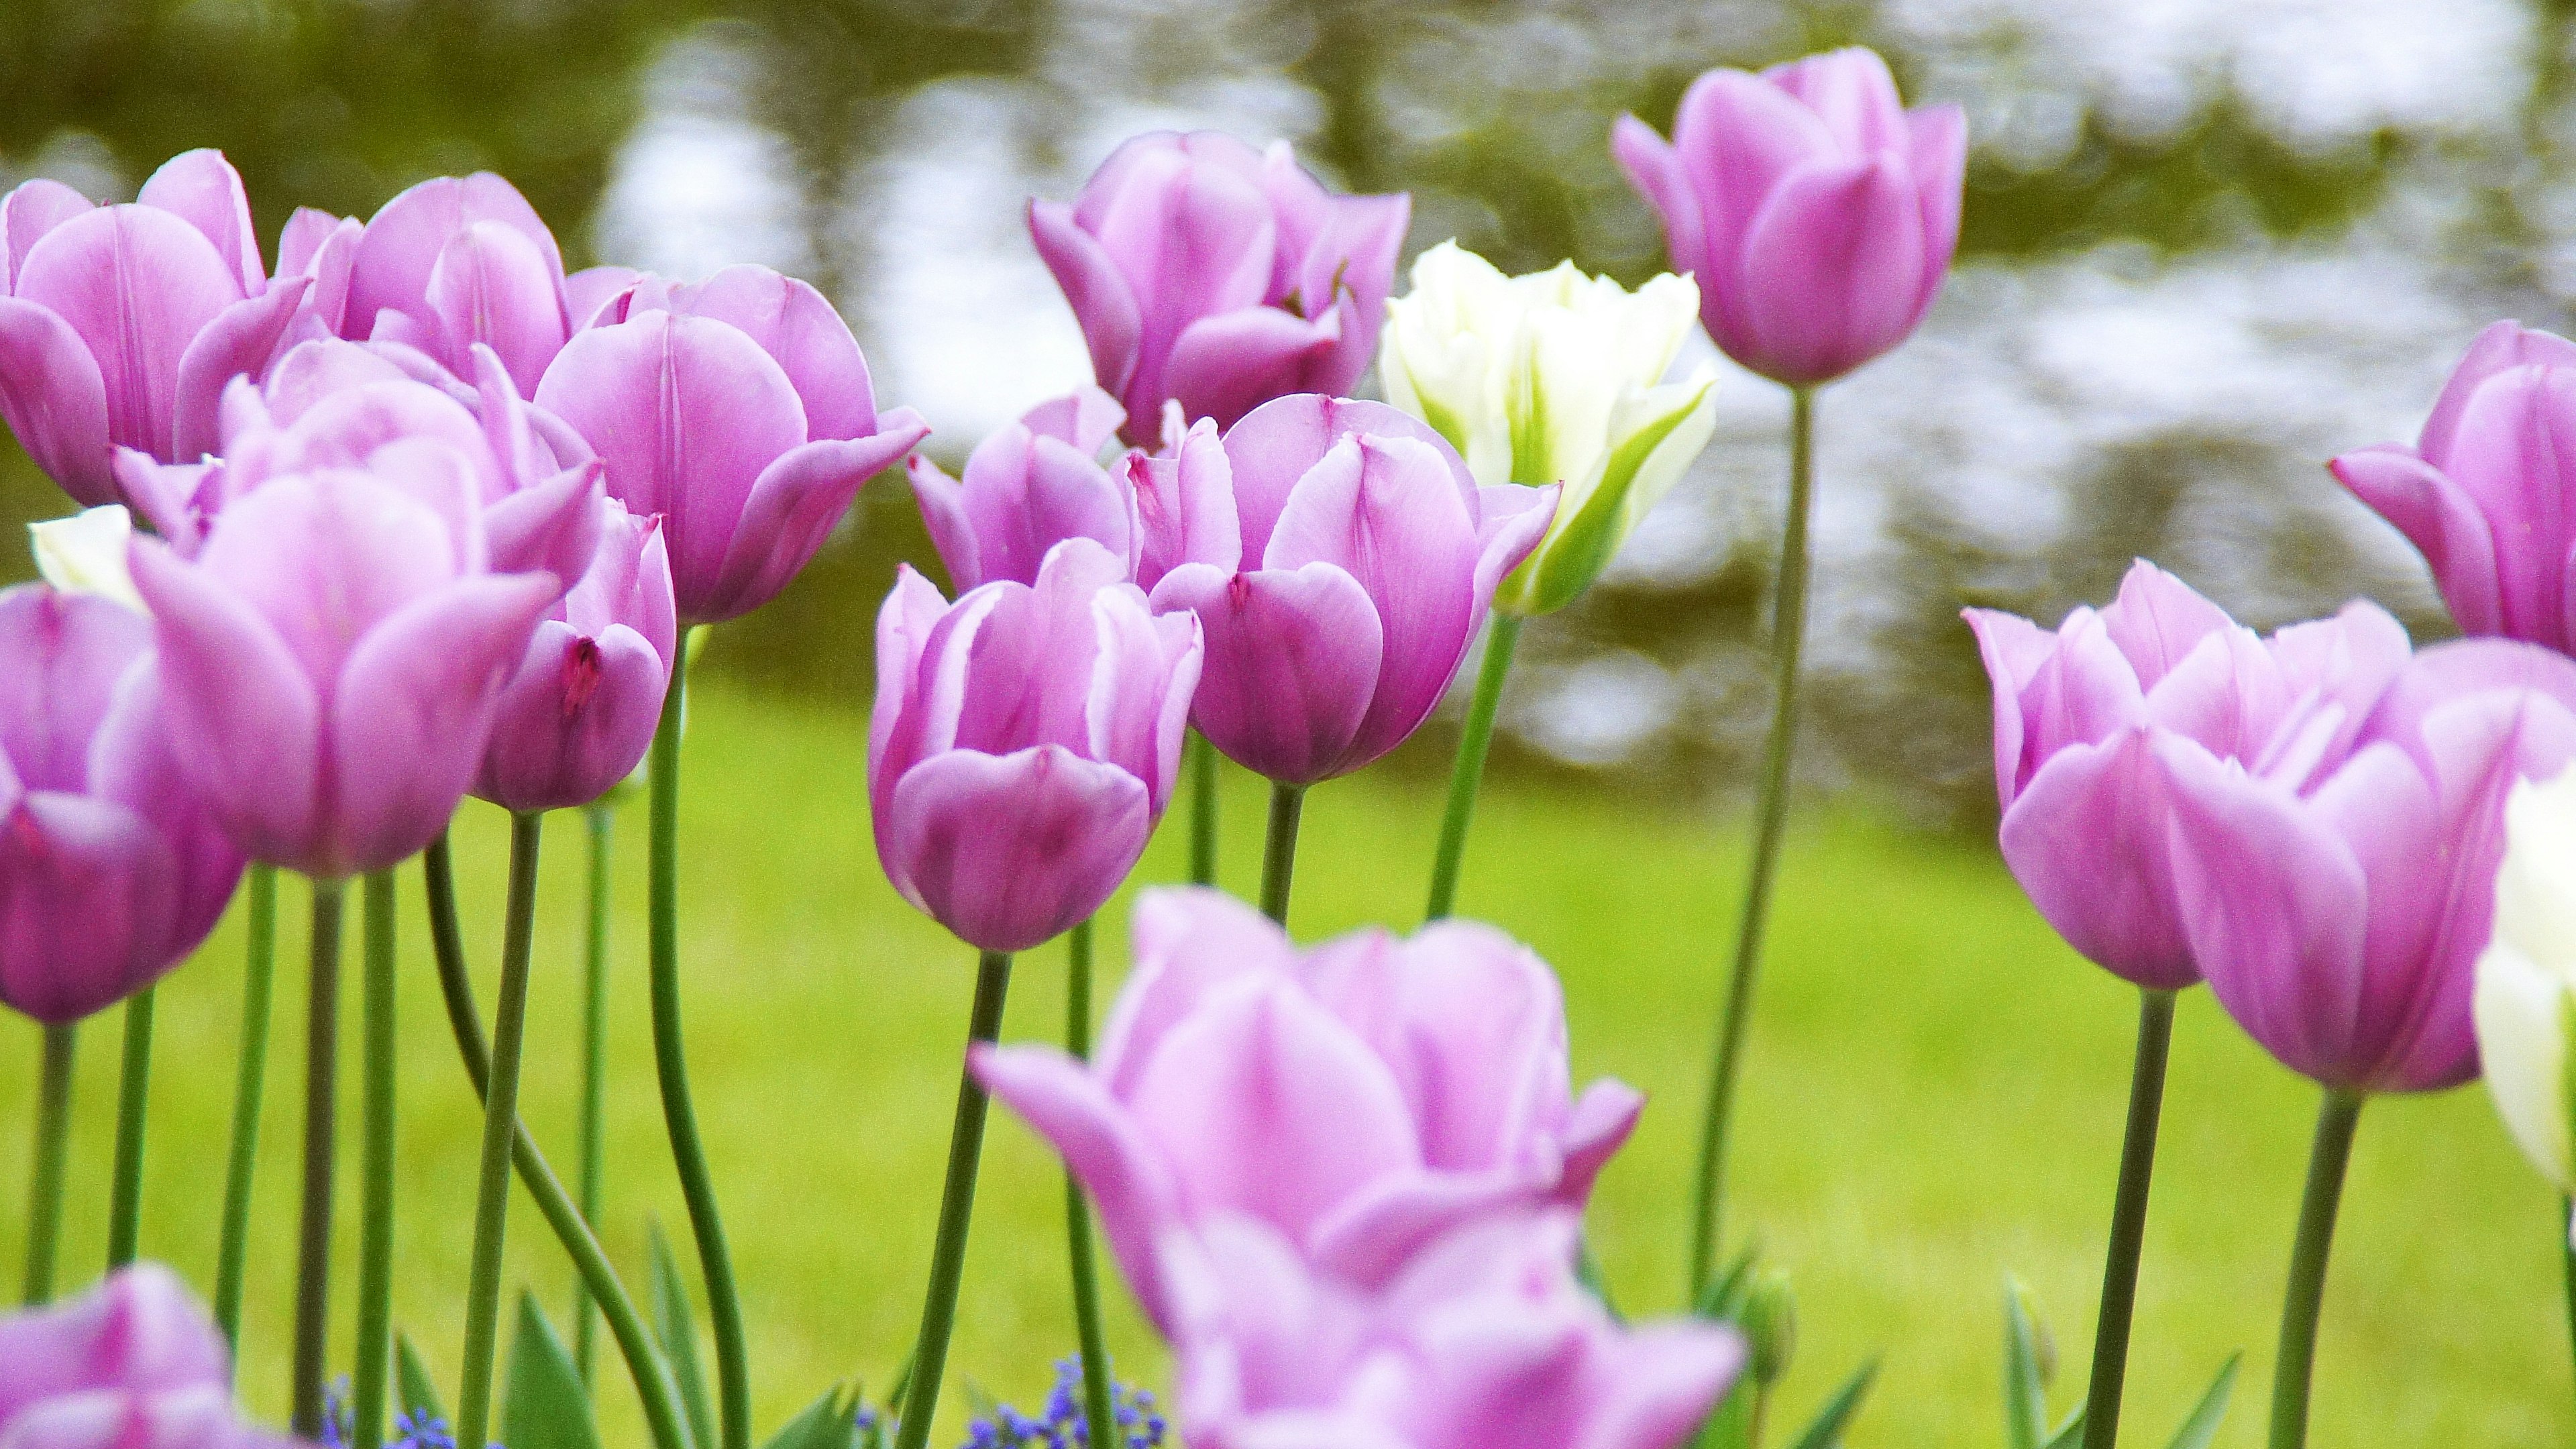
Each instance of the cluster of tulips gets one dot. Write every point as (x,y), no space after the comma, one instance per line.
(428,517)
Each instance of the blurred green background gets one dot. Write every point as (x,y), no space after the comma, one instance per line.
(2208,243)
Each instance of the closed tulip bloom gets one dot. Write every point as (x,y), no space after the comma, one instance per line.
(111,872)
(1341,559)
(739,409)
(1211,274)
(2078,717)
(1554,377)
(458,260)
(120,325)
(1817,213)
(1029,487)
(2526,981)
(133,1364)
(1025,740)
(578,716)
(2337,897)
(1356,1099)
(1487,1341)
(2483,492)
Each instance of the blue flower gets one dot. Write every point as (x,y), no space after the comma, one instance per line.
(1063,1425)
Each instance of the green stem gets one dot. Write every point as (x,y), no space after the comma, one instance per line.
(133,1099)
(1469,772)
(500,1119)
(602,820)
(1279,851)
(670,1059)
(376,1171)
(654,1385)
(313,1231)
(1771,814)
(53,1142)
(956,1211)
(1199,757)
(2567,1254)
(1096,1398)
(2292,1368)
(250,1084)
(2128,1221)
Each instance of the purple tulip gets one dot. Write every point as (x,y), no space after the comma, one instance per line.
(1817,214)
(738,409)
(135,1364)
(1356,1099)
(120,325)
(1025,740)
(111,872)
(2337,893)
(1341,559)
(2079,714)
(458,260)
(1221,277)
(1485,1341)
(2484,491)
(579,715)
(1028,488)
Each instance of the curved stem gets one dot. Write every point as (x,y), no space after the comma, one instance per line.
(376,1171)
(1279,851)
(133,1100)
(956,1211)
(250,1085)
(2128,1221)
(1771,813)
(653,1382)
(1096,1398)
(1469,773)
(313,1232)
(670,1059)
(2291,1369)
(1199,758)
(45,1180)
(602,820)
(500,1121)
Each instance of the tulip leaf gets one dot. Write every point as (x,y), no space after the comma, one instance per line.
(1825,1431)
(1730,1424)
(677,1331)
(544,1406)
(1723,1298)
(827,1423)
(415,1390)
(2025,1384)
(2070,1433)
(2202,1427)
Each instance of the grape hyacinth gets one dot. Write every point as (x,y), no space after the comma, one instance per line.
(1061,1425)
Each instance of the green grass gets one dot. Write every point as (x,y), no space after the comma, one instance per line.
(1935,1092)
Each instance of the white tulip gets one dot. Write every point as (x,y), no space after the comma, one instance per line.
(2526,983)
(85,553)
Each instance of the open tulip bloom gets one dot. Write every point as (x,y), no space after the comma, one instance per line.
(1027,488)
(133,1364)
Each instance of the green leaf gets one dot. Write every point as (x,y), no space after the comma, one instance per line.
(1730,1424)
(1724,1296)
(1825,1431)
(544,1407)
(414,1389)
(1564,566)
(677,1331)
(2198,1430)
(2070,1433)
(2025,1387)
(827,1423)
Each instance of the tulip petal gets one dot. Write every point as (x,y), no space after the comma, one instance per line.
(86,893)
(1271,449)
(1852,91)
(2499,348)
(1651,166)
(35,207)
(1142,685)
(2090,841)
(2514,460)
(794,324)
(1188,942)
(1113,322)
(140,1332)
(2158,620)
(1735,137)
(202,188)
(912,610)
(793,507)
(1939,157)
(403,240)
(1225,365)
(1010,851)
(574,720)
(1293,659)
(1085,417)
(1185,509)
(1602,1119)
(2014,649)
(945,519)
(1661,1383)
(2520,1011)
(1833,268)
(491,285)
(1191,240)
(237,342)
(61,656)
(137,284)
(53,399)
(590,289)
(553,526)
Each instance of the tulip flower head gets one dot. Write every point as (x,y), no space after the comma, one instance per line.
(1354,1099)
(2526,983)
(2483,492)
(1341,559)
(1211,274)
(1817,214)
(134,1364)
(1029,487)
(120,325)
(111,871)
(460,260)
(1554,377)
(739,409)
(1025,740)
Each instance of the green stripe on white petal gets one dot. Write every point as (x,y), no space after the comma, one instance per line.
(1597,514)
(85,553)
(2525,1002)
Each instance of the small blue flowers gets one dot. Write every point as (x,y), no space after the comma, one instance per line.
(1062,1425)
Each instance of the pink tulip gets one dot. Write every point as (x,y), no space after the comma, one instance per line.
(120,325)
(1341,560)
(134,1364)
(1817,214)
(1028,488)
(1209,273)
(2484,491)
(1485,1341)
(111,872)
(1357,1099)
(2080,713)
(1026,739)
(2337,892)
(739,409)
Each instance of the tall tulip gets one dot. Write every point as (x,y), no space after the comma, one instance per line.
(1028,487)
(1217,276)
(120,325)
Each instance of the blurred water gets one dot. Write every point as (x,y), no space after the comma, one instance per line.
(2208,244)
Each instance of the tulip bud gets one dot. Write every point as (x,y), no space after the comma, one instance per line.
(85,553)
(2526,990)
(1770,1324)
